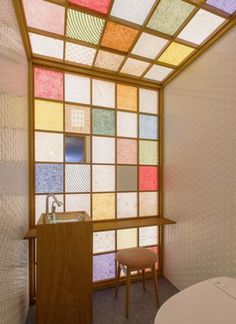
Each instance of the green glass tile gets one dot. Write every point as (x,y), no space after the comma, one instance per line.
(84,27)
(103,122)
(148,152)
(169,15)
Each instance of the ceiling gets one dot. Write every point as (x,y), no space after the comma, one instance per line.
(148,40)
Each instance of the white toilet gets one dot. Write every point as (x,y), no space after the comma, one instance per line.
(211,301)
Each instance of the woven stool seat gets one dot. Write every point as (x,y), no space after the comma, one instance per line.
(139,258)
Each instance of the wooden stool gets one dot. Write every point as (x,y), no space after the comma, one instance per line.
(135,259)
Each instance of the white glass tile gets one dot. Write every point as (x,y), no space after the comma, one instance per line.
(103,93)
(77,89)
(148,204)
(103,241)
(134,67)
(126,124)
(79,54)
(46,46)
(77,202)
(158,72)
(103,178)
(77,178)
(148,101)
(127,205)
(48,147)
(148,235)
(103,150)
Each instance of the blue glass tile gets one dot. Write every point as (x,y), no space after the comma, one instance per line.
(74,149)
(48,178)
(148,127)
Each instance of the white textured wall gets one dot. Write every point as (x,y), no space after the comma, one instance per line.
(200,167)
(13,170)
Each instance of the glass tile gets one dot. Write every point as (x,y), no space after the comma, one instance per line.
(158,73)
(40,202)
(77,119)
(108,61)
(135,11)
(170,15)
(103,206)
(148,152)
(134,67)
(126,178)
(148,126)
(148,178)
(149,45)
(77,89)
(48,178)
(46,46)
(103,266)
(77,178)
(103,93)
(126,97)
(84,27)
(228,6)
(48,147)
(74,149)
(175,53)
(127,205)
(48,84)
(79,54)
(126,238)
(126,124)
(148,101)
(148,235)
(95,5)
(44,15)
(103,150)
(126,151)
(103,178)
(77,202)
(103,122)
(202,25)
(118,36)
(148,204)
(48,115)
(103,241)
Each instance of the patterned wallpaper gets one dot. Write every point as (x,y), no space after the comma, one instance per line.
(13,170)
(200,168)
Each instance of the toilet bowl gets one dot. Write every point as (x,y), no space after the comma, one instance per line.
(211,301)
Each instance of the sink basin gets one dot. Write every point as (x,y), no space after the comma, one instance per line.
(67,217)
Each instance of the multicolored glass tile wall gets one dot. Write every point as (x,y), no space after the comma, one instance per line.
(96,145)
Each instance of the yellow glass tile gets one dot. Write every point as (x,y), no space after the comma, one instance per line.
(103,206)
(126,97)
(48,115)
(175,53)
(126,238)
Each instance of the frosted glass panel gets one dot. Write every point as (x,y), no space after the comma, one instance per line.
(103,150)
(46,46)
(126,124)
(127,205)
(40,203)
(77,178)
(103,241)
(148,101)
(103,122)
(228,6)
(48,178)
(148,235)
(148,127)
(48,147)
(158,73)
(48,115)
(74,149)
(175,53)
(103,206)
(103,93)
(98,5)
(77,89)
(103,178)
(48,84)
(77,119)
(134,67)
(75,202)
(148,204)
(148,152)
(126,151)
(126,178)
(79,54)
(108,61)
(103,266)
(126,238)
(148,178)
(126,97)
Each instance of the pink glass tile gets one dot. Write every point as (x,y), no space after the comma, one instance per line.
(48,84)
(126,151)
(45,16)
(96,5)
(148,178)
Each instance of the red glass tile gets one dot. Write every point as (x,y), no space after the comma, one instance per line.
(48,84)
(148,178)
(96,5)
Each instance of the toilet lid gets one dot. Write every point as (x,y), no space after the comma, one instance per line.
(208,302)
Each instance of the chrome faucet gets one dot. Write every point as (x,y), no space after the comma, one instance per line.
(51,216)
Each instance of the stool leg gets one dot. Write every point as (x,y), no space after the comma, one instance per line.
(154,274)
(127,293)
(144,283)
(117,279)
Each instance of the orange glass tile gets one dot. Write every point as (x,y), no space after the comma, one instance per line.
(126,97)
(118,37)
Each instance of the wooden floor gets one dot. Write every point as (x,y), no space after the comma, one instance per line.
(110,310)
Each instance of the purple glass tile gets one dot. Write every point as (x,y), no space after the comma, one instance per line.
(48,178)
(103,266)
(225,5)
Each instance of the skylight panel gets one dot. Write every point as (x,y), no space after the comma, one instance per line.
(79,54)
(108,61)
(135,11)
(134,67)
(175,53)
(158,73)
(84,27)
(169,16)
(228,6)
(44,15)
(96,5)
(46,46)
(202,25)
